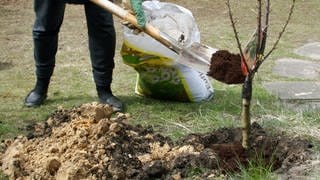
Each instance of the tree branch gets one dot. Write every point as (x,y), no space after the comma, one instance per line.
(259,33)
(282,31)
(236,33)
(265,28)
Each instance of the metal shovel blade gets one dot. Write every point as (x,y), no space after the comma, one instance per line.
(197,56)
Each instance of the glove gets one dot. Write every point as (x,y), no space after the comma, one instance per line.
(136,6)
(76,1)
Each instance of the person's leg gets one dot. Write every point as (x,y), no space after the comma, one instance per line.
(102,39)
(49,17)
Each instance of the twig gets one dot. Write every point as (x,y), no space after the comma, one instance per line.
(236,33)
(282,31)
(259,33)
(265,28)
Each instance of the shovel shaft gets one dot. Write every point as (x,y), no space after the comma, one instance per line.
(127,16)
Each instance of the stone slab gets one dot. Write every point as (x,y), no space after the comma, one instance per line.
(298,91)
(311,50)
(295,68)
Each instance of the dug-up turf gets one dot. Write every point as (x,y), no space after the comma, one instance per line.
(88,142)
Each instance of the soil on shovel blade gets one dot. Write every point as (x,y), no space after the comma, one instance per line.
(86,142)
(226,67)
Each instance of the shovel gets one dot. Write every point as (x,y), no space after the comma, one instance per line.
(195,56)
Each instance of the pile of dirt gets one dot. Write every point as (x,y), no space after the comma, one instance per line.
(6,2)
(88,142)
(226,67)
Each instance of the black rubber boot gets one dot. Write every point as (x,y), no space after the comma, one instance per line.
(36,97)
(106,97)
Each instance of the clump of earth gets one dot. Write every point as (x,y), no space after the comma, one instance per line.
(89,142)
(226,67)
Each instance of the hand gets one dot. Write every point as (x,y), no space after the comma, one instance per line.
(76,1)
(136,6)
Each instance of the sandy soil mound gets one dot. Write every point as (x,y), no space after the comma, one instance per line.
(87,142)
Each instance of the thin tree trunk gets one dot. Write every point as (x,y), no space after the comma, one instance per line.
(245,112)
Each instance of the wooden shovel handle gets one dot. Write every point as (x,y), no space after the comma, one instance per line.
(127,16)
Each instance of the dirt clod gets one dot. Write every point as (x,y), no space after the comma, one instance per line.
(53,164)
(226,67)
(83,143)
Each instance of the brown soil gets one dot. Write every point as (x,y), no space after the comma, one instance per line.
(226,67)
(86,142)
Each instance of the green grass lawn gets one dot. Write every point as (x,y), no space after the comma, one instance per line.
(72,82)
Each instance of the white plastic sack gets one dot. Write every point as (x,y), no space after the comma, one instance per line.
(159,76)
